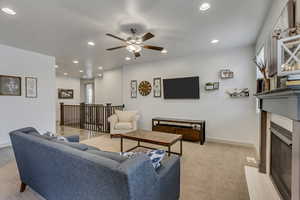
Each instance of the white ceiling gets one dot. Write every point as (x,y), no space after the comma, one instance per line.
(62,28)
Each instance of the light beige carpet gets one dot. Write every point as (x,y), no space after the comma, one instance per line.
(210,172)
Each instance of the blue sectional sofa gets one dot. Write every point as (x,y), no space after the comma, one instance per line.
(73,171)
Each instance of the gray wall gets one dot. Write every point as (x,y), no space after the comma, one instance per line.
(18,111)
(227,119)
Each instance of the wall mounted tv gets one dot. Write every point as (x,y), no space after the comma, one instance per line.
(182,88)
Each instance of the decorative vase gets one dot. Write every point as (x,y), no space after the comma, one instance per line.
(266,85)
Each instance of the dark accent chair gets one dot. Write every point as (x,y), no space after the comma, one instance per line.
(73,171)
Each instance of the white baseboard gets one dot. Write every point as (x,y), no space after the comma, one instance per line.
(2,145)
(236,143)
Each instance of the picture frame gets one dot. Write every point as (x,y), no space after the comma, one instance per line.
(226,74)
(65,93)
(133,89)
(212,86)
(31,87)
(10,85)
(157,87)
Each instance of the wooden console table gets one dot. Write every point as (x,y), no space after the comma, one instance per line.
(191,130)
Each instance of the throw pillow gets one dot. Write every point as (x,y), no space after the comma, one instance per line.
(156,156)
(125,116)
(54,137)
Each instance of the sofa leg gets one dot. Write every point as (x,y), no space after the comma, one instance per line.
(23,187)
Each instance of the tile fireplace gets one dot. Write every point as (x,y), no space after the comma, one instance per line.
(279,147)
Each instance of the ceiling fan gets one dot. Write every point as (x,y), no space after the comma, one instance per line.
(135,44)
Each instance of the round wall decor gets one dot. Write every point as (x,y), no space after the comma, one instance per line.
(145,88)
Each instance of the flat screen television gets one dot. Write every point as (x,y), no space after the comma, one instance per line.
(182,88)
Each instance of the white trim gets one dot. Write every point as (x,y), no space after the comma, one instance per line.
(231,142)
(3,145)
(260,186)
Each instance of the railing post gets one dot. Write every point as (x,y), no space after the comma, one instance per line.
(82,115)
(108,109)
(62,114)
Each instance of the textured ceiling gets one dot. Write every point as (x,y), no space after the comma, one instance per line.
(62,28)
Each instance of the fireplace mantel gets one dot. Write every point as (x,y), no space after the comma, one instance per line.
(284,102)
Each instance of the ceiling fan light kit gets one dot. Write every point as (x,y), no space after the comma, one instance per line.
(135,44)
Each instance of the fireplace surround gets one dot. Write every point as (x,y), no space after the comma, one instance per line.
(286,103)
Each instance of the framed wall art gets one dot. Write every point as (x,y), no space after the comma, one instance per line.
(10,85)
(212,86)
(65,93)
(226,74)
(145,88)
(31,87)
(157,87)
(133,89)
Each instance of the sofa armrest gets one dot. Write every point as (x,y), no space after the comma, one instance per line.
(73,138)
(169,175)
(142,180)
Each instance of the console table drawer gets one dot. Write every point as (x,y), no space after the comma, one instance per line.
(166,129)
(191,130)
(189,134)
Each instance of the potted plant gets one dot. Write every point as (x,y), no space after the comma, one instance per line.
(262,67)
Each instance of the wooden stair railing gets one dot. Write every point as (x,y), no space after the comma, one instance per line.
(92,117)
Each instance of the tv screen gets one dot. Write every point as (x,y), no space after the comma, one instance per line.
(182,88)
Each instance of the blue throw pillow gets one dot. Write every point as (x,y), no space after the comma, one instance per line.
(156,156)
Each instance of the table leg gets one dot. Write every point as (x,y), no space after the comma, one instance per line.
(139,143)
(121,144)
(181,147)
(169,150)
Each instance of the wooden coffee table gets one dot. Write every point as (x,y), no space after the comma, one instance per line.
(152,137)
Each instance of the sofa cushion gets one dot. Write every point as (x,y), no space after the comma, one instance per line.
(78,146)
(111,155)
(125,116)
(123,126)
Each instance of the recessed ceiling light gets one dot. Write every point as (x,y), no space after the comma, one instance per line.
(214,41)
(204,6)
(55,66)
(100,68)
(81,71)
(127,58)
(91,43)
(9,11)
(164,51)
(65,74)
(75,61)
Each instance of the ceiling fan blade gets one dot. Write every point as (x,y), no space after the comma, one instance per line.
(137,54)
(116,37)
(114,48)
(147,36)
(153,47)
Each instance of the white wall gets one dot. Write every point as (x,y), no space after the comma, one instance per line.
(109,88)
(17,111)
(227,119)
(271,20)
(64,82)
